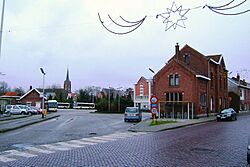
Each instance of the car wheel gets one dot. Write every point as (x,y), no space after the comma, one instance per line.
(29,113)
(22,113)
(125,120)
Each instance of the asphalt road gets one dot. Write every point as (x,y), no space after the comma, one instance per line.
(72,124)
(213,144)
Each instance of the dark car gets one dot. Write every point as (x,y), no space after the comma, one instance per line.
(227,114)
(248,151)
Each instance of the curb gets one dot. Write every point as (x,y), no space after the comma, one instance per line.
(170,128)
(27,124)
(11,118)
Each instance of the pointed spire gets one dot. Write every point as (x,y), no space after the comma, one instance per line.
(67,75)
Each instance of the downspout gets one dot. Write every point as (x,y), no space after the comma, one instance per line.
(208,69)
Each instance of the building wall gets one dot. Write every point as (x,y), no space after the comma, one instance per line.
(32,97)
(200,91)
(142,94)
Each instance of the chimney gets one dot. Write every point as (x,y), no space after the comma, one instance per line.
(177,51)
(238,77)
(30,87)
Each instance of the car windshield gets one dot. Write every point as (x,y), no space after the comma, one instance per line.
(225,111)
(22,107)
(131,110)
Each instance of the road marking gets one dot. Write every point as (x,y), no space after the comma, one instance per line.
(65,146)
(53,147)
(5,159)
(107,138)
(20,153)
(69,145)
(81,142)
(93,140)
(39,150)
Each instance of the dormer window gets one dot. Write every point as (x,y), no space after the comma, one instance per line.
(186,58)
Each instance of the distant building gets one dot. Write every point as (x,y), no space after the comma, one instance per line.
(33,98)
(67,83)
(239,92)
(11,97)
(142,93)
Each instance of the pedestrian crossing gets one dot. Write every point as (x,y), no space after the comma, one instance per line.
(33,151)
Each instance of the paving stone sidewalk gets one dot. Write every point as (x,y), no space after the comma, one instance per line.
(143,126)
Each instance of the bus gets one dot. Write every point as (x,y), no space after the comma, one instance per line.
(63,105)
(82,105)
(51,105)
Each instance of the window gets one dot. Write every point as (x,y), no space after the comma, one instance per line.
(212,79)
(174,96)
(171,80)
(212,104)
(141,90)
(203,99)
(174,80)
(186,58)
(177,80)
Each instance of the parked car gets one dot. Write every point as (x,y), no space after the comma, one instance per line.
(227,114)
(38,110)
(31,110)
(15,109)
(132,113)
(248,151)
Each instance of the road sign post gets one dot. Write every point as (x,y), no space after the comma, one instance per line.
(154,107)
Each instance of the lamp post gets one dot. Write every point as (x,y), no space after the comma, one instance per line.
(1,27)
(43,91)
(119,99)
(109,99)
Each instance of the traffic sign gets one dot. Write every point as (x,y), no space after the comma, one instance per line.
(154,99)
(154,110)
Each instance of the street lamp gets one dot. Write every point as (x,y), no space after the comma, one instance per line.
(119,98)
(1,27)
(109,97)
(43,91)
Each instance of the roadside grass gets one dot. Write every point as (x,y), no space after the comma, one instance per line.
(154,123)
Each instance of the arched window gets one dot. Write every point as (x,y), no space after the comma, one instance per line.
(212,104)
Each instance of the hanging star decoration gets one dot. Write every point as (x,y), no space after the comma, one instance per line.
(174,17)
(221,9)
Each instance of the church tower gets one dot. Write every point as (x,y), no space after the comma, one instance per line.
(67,83)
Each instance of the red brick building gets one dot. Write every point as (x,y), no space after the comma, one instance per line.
(33,98)
(191,84)
(142,93)
(239,92)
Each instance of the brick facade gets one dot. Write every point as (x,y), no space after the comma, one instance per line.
(190,78)
(142,93)
(32,98)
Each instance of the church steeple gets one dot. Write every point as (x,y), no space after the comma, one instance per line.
(67,75)
(67,82)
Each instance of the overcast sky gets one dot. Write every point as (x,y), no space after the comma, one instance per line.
(61,34)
